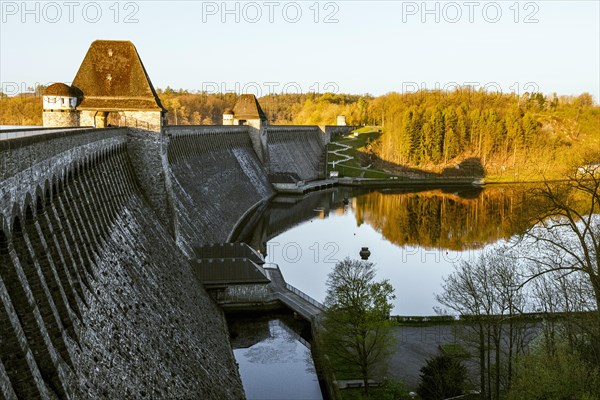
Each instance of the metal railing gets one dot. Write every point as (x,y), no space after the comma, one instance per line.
(17,133)
(292,289)
(304,296)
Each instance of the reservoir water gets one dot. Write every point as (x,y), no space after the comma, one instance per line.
(415,235)
(274,358)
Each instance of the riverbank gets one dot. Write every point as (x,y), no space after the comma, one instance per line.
(390,183)
(395,182)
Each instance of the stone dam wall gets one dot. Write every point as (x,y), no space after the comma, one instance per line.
(98,230)
(295,153)
(216,179)
(97,300)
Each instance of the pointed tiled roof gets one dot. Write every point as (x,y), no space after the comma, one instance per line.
(247,107)
(112,77)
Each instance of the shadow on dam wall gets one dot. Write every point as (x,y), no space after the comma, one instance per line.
(97,299)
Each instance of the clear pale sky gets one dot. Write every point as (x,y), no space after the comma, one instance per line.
(364,47)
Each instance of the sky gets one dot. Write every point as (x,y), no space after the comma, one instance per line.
(356,47)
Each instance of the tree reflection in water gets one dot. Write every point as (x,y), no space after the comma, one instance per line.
(450,218)
(461,220)
(414,234)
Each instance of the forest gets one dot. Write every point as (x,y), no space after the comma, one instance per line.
(515,137)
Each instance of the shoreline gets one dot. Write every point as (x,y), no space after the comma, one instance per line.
(393,183)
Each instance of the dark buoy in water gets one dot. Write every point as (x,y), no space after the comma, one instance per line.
(364,253)
(346,201)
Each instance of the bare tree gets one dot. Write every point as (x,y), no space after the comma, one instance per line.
(563,242)
(563,300)
(356,334)
(488,294)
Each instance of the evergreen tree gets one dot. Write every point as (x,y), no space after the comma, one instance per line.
(452,142)
(437,123)
(530,129)
(442,377)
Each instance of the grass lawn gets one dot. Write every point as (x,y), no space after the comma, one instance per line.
(353,167)
(358,146)
(346,170)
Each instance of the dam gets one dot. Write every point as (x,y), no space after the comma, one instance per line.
(105,218)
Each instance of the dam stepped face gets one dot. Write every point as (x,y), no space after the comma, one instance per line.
(102,220)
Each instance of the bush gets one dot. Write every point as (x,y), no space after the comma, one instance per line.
(562,375)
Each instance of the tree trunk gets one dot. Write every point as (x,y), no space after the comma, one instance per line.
(497,340)
(595,279)
(511,333)
(482,361)
(365,376)
(489,359)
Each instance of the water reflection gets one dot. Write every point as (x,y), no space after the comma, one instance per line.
(451,218)
(415,235)
(460,220)
(274,360)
